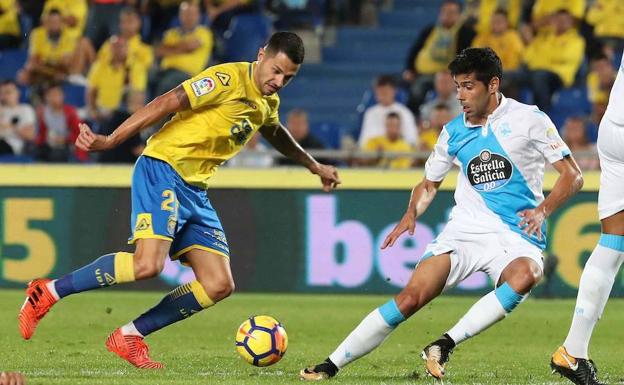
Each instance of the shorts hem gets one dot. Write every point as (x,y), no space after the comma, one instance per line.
(132,240)
(200,247)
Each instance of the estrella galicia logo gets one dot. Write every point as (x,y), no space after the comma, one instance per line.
(489,171)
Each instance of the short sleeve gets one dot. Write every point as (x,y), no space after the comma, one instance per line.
(210,87)
(546,139)
(138,78)
(92,78)
(439,162)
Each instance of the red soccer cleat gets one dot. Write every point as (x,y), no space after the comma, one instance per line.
(131,349)
(38,302)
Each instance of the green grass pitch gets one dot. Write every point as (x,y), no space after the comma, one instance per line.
(68,347)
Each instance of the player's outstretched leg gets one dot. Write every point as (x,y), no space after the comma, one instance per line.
(518,278)
(108,270)
(214,283)
(580,371)
(426,283)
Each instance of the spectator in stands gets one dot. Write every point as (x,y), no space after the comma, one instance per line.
(483,11)
(599,83)
(103,20)
(161,14)
(58,128)
(430,129)
(10,31)
(505,41)
(544,11)
(553,58)
(73,12)
(51,51)
(445,94)
(606,18)
(17,122)
(434,49)
(299,128)
(185,50)
(390,141)
(139,53)
(373,123)
(128,151)
(575,136)
(110,78)
(221,12)
(254,155)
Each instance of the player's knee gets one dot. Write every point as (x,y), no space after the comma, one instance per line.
(525,278)
(145,268)
(218,289)
(409,301)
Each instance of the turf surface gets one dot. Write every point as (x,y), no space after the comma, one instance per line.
(68,347)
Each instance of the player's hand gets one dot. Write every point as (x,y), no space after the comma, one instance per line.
(407,223)
(89,141)
(329,176)
(532,220)
(12,378)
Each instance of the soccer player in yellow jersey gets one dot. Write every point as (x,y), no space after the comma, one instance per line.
(216,113)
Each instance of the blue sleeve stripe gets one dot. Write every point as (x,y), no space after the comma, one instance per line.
(612,241)
(391,313)
(508,297)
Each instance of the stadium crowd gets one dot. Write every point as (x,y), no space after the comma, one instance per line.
(122,53)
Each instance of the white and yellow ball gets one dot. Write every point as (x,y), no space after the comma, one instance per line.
(261,340)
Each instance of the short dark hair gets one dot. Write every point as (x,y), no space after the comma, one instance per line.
(8,82)
(484,62)
(287,42)
(393,115)
(55,12)
(455,2)
(385,80)
(503,12)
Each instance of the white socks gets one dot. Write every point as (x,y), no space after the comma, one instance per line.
(594,289)
(483,314)
(369,334)
(130,330)
(52,288)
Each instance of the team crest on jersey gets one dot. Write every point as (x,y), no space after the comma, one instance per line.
(203,86)
(489,171)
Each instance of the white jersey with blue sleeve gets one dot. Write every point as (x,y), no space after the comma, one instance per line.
(501,167)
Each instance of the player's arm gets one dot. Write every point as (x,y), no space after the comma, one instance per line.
(280,138)
(173,101)
(568,183)
(420,199)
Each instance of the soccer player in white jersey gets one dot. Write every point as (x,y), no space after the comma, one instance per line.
(497,225)
(572,359)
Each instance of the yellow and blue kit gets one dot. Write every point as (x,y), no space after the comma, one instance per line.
(169,200)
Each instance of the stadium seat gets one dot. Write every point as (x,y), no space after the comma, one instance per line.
(75,95)
(246,34)
(329,133)
(11,61)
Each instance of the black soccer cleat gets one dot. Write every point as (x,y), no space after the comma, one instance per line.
(437,354)
(578,370)
(322,371)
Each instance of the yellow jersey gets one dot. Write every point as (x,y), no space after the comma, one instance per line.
(227,108)
(381,143)
(192,62)
(606,17)
(112,82)
(595,92)
(9,22)
(543,8)
(51,52)
(75,8)
(138,52)
(508,47)
(488,7)
(562,54)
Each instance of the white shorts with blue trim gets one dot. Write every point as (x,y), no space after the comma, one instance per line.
(488,252)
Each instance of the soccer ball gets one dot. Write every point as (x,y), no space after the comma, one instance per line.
(261,340)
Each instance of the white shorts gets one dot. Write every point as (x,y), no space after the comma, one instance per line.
(611,153)
(487,252)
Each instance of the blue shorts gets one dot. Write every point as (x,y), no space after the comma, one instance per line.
(164,206)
